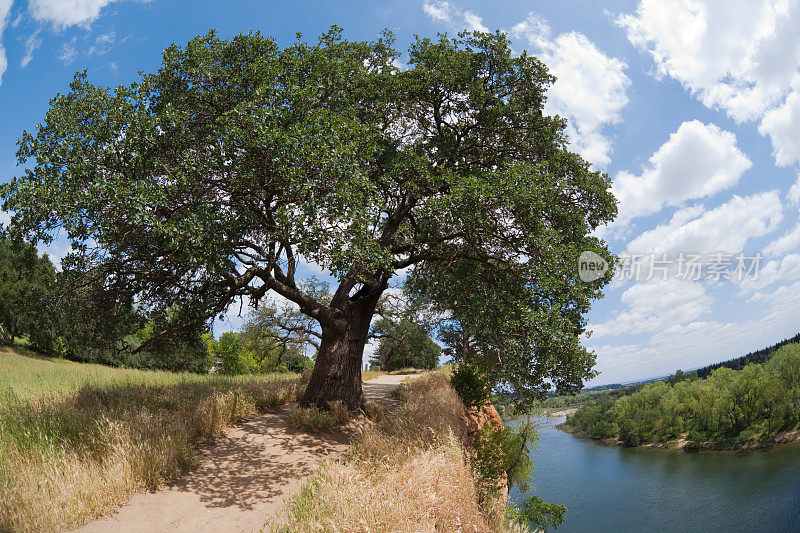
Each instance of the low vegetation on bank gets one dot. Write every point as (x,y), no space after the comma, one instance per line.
(412,470)
(756,406)
(76,440)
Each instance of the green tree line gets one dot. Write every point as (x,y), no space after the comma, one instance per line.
(62,315)
(729,409)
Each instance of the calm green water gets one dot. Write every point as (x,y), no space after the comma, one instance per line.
(611,488)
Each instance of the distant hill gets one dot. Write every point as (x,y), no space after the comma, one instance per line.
(603,387)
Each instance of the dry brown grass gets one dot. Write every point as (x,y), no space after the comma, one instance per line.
(430,411)
(374,411)
(431,490)
(367,375)
(67,459)
(409,471)
(315,420)
(406,371)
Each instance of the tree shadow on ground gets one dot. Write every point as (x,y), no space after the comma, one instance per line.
(255,461)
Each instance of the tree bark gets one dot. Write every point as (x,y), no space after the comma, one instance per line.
(337,372)
(386,355)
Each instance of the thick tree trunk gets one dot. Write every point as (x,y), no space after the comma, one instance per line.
(337,372)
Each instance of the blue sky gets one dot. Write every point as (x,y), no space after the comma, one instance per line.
(693,107)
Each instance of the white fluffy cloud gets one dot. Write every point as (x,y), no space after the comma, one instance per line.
(782,124)
(591,89)
(740,56)
(656,305)
(786,269)
(688,345)
(698,160)
(794,193)
(731,339)
(446,13)
(64,13)
(786,243)
(737,55)
(724,229)
(5,9)
(623,363)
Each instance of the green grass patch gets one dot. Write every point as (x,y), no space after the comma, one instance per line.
(27,375)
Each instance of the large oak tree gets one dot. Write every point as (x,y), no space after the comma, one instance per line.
(214,178)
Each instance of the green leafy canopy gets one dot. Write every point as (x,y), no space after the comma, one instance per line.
(208,181)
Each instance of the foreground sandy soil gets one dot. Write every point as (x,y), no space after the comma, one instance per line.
(243,480)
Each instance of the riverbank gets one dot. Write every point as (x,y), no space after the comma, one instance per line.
(557,413)
(738,410)
(682,444)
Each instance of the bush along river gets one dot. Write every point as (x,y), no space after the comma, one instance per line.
(613,488)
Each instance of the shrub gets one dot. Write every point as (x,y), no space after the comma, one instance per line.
(539,513)
(236,359)
(505,451)
(296,362)
(471,385)
(605,430)
(404,344)
(628,433)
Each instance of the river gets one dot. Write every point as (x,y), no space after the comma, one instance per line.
(612,488)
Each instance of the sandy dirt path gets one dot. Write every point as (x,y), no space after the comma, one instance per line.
(243,479)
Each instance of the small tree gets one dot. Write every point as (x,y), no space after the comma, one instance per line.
(235,358)
(403,344)
(277,331)
(210,180)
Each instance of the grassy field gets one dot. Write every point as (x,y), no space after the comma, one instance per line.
(76,440)
(27,375)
